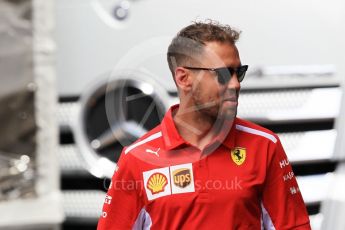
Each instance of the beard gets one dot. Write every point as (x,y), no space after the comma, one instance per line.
(214,108)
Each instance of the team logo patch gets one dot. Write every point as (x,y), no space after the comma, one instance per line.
(238,155)
(157,183)
(166,181)
(182,177)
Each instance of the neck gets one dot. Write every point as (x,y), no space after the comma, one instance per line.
(197,128)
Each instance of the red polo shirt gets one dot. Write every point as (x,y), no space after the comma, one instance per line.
(243,182)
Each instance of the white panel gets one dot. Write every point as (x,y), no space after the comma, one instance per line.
(314,188)
(309,146)
(275,32)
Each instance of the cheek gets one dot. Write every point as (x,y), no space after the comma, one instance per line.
(197,94)
(208,91)
(218,93)
(214,95)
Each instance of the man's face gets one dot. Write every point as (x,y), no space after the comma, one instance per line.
(211,98)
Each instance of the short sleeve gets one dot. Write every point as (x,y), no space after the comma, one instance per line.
(282,203)
(123,202)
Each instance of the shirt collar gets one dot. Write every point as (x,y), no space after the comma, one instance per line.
(172,138)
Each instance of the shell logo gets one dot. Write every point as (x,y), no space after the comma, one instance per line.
(156,183)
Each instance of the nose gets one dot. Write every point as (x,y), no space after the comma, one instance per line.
(234,83)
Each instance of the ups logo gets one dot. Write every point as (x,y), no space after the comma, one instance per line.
(182,177)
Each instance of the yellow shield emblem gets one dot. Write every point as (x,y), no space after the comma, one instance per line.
(156,183)
(238,155)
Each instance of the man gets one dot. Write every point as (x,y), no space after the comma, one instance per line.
(203,167)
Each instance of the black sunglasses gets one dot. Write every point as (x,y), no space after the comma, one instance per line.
(224,74)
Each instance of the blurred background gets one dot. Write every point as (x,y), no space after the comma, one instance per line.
(80,79)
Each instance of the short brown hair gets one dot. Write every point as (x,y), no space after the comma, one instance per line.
(190,41)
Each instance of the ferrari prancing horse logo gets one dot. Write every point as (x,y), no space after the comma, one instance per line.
(238,155)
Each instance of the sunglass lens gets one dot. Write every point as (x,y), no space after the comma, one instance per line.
(223,75)
(241,72)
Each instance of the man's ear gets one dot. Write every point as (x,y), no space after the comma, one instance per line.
(183,79)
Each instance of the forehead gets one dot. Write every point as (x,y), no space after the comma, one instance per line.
(218,54)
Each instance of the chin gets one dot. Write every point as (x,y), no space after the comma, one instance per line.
(228,114)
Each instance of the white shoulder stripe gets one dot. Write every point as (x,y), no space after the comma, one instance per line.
(256,132)
(147,139)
